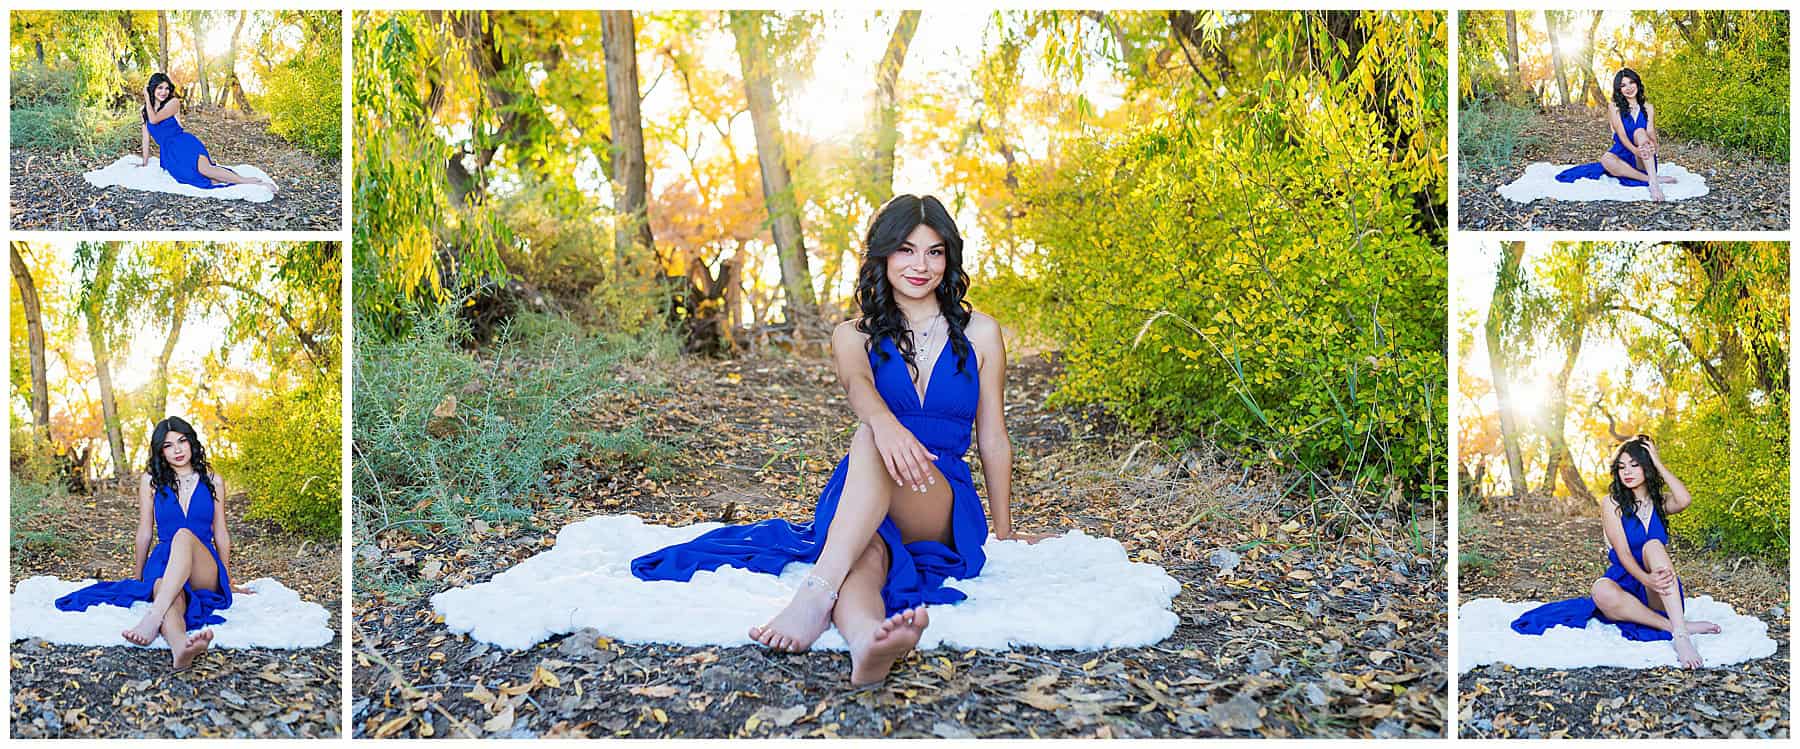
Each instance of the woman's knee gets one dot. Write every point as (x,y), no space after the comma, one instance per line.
(184,537)
(1640,136)
(1656,555)
(1606,594)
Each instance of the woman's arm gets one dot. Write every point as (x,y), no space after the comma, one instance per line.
(905,458)
(146,529)
(1679,498)
(146,129)
(1614,525)
(991,439)
(170,109)
(1650,122)
(221,529)
(1618,128)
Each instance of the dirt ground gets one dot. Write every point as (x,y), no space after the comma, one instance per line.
(48,193)
(67,691)
(1745,193)
(1523,554)
(1284,630)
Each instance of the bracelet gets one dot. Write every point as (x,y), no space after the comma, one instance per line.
(818,583)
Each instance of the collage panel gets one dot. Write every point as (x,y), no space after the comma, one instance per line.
(1563,116)
(176,120)
(961,374)
(1623,489)
(175,479)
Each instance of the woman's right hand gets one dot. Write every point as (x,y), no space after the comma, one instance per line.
(1662,581)
(907,461)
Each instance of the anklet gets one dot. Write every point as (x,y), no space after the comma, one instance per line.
(818,583)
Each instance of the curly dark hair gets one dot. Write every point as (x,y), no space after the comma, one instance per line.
(161,473)
(157,79)
(1619,99)
(881,316)
(1653,482)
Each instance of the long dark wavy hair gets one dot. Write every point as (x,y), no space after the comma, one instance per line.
(881,316)
(157,79)
(1653,483)
(1619,99)
(161,473)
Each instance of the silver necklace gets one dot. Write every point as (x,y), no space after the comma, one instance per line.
(922,352)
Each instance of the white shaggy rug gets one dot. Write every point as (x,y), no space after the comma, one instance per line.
(1484,635)
(126,172)
(1539,181)
(1075,592)
(274,617)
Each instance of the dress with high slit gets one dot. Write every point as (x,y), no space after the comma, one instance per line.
(202,605)
(1576,612)
(1596,170)
(180,153)
(943,421)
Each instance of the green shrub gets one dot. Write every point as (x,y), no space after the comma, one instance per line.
(1238,280)
(287,456)
(305,103)
(517,411)
(1734,95)
(63,127)
(1735,463)
(1489,133)
(35,486)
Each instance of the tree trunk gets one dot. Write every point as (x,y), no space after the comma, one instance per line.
(886,120)
(1512,51)
(162,41)
(229,86)
(159,396)
(1499,311)
(1592,90)
(632,237)
(1556,57)
(34,333)
(778,190)
(109,408)
(199,23)
(1555,422)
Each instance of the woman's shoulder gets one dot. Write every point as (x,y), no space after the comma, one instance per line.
(982,328)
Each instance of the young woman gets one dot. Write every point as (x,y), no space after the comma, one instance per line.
(181,505)
(1632,157)
(899,514)
(1640,591)
(183,155)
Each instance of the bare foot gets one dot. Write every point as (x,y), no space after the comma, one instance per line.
(1685,654)
(268,184)
(196,644)
(1656,192)
(797,626)
(871,661)
(145,631)
(1703,628)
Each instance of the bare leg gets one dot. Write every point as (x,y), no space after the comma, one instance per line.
(1617,167)
(1617,604)
(183,647)
(218,173)
(875,643)
(1656,558)
(863,505)
(1648,159)
(181,561)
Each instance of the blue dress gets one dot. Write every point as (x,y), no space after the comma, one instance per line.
(181,152)
(943,423)
(1594,170)
(1576,612)
(202,605)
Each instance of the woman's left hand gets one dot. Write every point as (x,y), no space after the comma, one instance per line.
(1029,538)
(1650,447)
(235,588)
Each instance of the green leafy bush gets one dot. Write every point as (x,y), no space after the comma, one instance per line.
(1732,93)
(35,486)
(287,457)
(48,111)
(1489,133)
(1258,278)
(1735,463)
(305,100)
(446,435)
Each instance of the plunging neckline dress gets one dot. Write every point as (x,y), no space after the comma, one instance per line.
(1594,170)
(180,153)
(1575,612)
(943,421)
(202,605)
